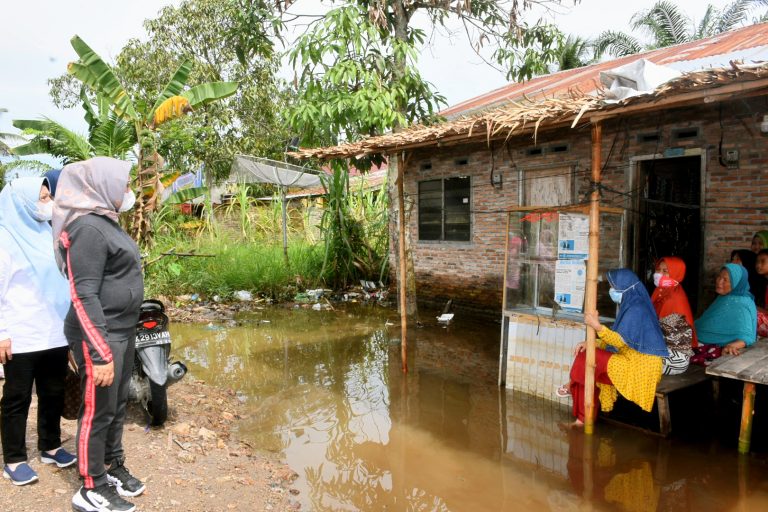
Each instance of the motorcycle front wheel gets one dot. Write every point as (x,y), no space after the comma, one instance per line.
(157,407)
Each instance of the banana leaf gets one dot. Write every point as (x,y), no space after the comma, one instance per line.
(188,194)
(36,147)
(203,94)
(173,87)
(90,115)
(168,179)
(37,125)
(95,73)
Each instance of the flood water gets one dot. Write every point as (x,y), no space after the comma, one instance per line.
(325,390)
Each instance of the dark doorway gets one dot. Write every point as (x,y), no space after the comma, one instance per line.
(669,220)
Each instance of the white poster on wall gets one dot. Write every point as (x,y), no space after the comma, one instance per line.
(570,281)
(573,236)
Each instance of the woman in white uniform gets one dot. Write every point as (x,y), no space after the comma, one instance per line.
(34,298)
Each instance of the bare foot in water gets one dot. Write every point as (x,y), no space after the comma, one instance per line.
(565,427)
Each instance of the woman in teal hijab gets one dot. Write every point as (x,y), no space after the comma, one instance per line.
(731,321)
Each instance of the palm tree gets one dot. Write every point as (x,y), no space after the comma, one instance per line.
(174,101)
(574,52)
(667,25)
(108,135)
(52,138)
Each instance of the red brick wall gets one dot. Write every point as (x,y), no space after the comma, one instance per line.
(471,273)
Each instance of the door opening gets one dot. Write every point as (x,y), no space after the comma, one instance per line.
(669,218)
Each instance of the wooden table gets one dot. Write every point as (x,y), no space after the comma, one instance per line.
(750,367)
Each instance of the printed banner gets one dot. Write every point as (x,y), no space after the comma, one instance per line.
(573,236)
(570,281)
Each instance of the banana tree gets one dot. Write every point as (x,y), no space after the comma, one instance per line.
(173,102)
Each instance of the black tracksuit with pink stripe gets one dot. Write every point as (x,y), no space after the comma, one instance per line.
(104,269)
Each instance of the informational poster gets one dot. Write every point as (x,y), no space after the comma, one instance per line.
(570,280)
(573,236)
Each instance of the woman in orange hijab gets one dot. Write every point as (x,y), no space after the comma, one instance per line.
(669,296)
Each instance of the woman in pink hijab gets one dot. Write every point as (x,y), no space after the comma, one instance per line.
(103,266)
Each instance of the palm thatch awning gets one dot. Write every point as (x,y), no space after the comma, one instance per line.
(530,117)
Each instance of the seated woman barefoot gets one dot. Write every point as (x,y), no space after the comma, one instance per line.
(632,365)
(730,322)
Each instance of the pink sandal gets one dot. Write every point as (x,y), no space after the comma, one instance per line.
(563,391)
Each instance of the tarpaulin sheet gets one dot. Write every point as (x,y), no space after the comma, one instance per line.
(248,169)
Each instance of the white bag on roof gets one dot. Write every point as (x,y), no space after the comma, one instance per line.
(638,77)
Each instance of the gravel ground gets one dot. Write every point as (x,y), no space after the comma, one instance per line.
(194,463)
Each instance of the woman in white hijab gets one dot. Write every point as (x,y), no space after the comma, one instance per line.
(33,301)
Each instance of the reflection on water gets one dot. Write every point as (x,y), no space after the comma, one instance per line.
(325,390)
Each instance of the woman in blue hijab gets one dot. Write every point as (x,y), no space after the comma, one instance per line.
(34,299)
(730,322)
(628,356)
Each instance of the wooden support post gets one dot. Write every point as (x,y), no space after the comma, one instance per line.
(504,325)
(403,280)
(747,413)
(590,298)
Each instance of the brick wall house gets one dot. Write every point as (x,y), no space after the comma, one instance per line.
(684,167)
(470,272)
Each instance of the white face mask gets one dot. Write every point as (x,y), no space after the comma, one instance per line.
(656,278)
(129,199)
(43,211)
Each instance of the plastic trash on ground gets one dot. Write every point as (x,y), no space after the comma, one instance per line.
(243,295)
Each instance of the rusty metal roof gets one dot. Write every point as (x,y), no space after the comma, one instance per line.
(747,44)
(519,117)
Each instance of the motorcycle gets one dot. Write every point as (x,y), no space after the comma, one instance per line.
(153,369)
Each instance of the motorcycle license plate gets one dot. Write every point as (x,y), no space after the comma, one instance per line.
(150,339)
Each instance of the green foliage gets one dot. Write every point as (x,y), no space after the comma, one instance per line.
(355,242)
(357,68)
(225,41)
(528,53)
(6,139)
(188,194)
(359,93)
(8,166)
(574,52)
(50,137)
(96,74)
(254,266)
(665,25)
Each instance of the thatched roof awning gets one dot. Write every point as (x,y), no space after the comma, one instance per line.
(530,117)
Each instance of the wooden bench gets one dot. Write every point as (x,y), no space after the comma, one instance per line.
(668,385)
(750,367)
(671,383)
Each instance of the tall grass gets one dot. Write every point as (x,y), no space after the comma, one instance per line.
(255,266)
(246,244)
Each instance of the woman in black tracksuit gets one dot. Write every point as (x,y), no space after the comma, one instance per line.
(104,269)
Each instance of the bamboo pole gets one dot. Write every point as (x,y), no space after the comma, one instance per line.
(590,299)
(284,204)
(403,280)
(503,348)
(747,413)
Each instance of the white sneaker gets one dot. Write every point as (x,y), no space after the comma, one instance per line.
(103,498)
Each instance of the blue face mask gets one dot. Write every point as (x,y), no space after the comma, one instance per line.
(615,295)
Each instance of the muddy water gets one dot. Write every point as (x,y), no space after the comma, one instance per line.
(325,390)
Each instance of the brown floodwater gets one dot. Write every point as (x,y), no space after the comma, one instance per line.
(325,390)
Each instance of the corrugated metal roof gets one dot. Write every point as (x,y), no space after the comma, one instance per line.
(747,44)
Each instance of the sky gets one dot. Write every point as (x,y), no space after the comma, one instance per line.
(36,36)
